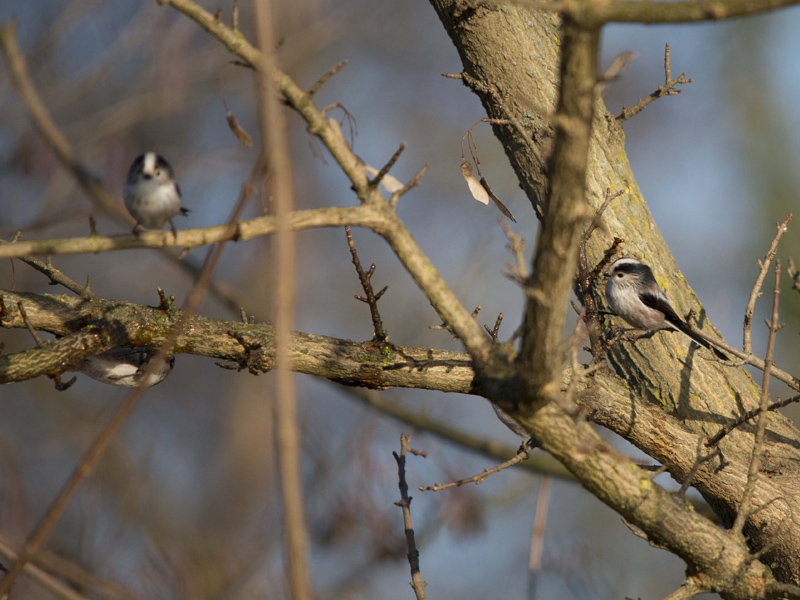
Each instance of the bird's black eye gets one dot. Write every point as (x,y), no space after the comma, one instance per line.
(158,172)
(619,275)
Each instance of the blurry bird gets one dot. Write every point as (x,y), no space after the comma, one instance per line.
(152,195)
(125,367)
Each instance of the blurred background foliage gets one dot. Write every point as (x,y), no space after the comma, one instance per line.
(186,505)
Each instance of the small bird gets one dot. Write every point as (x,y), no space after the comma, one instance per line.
(125,367)
(633,294)
(152,195)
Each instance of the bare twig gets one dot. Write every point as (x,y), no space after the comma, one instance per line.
(42,577)
(540,464)
(59,278)
(745,507)
(493,331)
(500,101)
(689,589)
(744,358)
(700,458)
(518,271)
(539,524)
(387,167)
(614,70)
(748,416)
(747,346)
(324,79)
(371,298)
(597,221)
(668,89)
(480,477)
(413,182)
(34,334)
(405,504)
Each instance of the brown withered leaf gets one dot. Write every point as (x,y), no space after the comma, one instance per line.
(475,187)
(499,204)
(237,130)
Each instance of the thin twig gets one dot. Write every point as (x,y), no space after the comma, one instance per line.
(414,182)
(34,334)
(387,167)
(745,507)
(372,298)
(689,589)
(539,524)
(42,577)
(480,477)
(518,271)
(324,79)
(747,345)
(748,416)
(700,458)
(598,216)
(405,504)
(668,89)
(493,331)
(59,278)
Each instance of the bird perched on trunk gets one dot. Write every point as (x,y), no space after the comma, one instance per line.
(125,367)
(633,294)
(151,194)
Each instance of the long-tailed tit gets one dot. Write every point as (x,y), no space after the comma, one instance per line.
(152,195)
(633,294)
(125,367)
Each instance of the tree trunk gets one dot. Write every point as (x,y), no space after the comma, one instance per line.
(510,60)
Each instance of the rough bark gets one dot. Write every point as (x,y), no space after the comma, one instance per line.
(510,59)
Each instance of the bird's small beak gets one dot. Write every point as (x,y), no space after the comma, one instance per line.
(606,273)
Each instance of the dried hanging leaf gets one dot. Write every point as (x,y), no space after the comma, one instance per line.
(237,130)
(499,204)
(475,187)
(390,183)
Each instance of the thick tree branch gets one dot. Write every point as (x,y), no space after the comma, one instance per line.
(345,361)
(651,12)
(547,290)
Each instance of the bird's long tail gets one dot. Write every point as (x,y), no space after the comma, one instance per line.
(684,328)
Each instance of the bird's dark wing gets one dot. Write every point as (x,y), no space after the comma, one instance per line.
(660,303)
